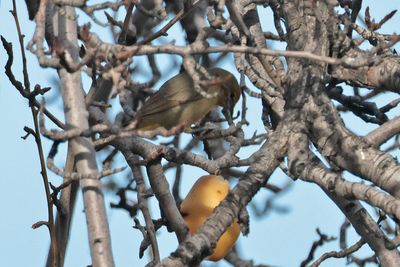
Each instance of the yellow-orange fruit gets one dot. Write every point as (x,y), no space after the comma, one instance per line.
(205,195)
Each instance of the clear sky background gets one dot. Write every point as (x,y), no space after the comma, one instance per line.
(279,239)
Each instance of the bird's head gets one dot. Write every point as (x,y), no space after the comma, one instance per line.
(229,89)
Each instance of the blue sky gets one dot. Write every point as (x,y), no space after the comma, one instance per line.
(277,239)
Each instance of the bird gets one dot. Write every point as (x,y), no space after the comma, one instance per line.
(177,103)
(207,192)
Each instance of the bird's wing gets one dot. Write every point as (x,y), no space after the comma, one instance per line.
(165,99)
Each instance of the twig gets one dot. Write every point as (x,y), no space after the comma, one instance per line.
(322,239)
(163,30)
(339,254)
(143,206)
(122,53)
(76,176)
(125,27)
(18,85)
(35,132)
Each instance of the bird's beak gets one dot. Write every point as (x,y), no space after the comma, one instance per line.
(228,105)
(231,107)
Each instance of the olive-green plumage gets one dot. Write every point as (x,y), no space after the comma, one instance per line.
(177,102)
